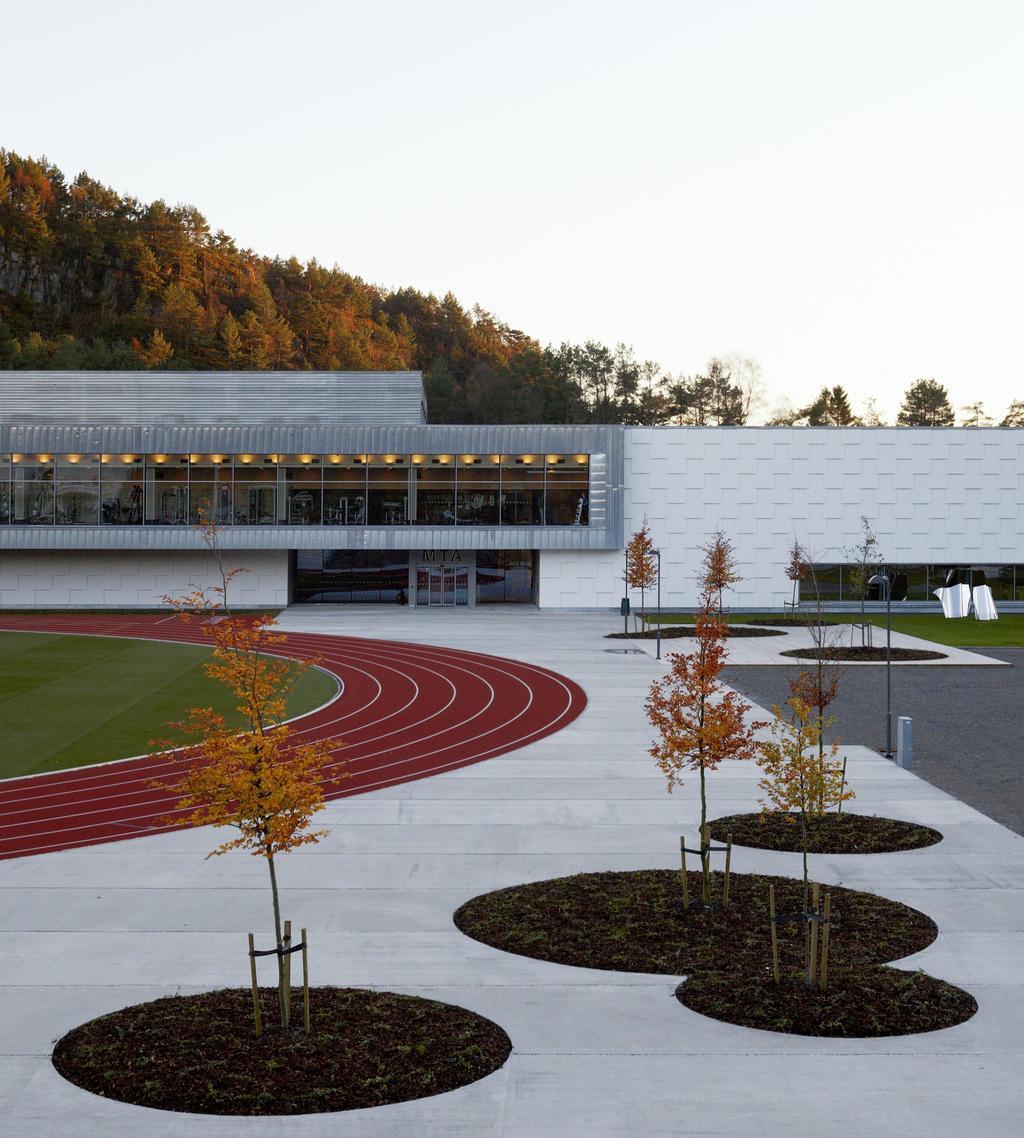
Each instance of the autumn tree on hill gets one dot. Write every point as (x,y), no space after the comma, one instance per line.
(641,564)
(257,780)
(925,404)
(700,722)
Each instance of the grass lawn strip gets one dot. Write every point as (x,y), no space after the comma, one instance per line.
(846,833)
(200,1053)
(74,700)
(1006,632)
(635,922)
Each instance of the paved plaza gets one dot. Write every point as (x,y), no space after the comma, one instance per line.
(595,1053)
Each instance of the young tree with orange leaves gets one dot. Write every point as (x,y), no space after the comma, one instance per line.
(796,571)
(718,569)
(799,786)
(255,780)
(700,721)
(796,783)
(641,564)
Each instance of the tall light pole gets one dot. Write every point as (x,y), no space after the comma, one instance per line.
(657,654)
(881,580)
(625,597)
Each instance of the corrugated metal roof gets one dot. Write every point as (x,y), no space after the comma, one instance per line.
(221,399)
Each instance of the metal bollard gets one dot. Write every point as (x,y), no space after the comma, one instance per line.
(904,742)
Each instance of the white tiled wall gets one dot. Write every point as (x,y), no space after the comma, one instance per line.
(123,579)
(944,495)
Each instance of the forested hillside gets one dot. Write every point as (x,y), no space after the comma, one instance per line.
(90,278)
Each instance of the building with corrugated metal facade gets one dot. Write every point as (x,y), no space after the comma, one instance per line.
(333,487)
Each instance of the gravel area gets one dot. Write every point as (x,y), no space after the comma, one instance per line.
(967,722)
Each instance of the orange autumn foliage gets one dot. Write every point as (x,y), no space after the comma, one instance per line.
(700,722)
(255,780)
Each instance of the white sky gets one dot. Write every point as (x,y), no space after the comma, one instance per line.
(833,189)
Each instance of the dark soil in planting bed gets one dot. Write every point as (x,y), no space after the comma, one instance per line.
(795,621)
(678,631)
(200,1053)
(873,1001)
(830,834)
(860,652)
(635,922)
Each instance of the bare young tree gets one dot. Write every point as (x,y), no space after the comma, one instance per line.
(866,557)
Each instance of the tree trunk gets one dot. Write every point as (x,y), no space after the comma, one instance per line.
(705,856)
(280,944)
(807,894)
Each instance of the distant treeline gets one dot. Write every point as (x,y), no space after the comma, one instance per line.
(93,279)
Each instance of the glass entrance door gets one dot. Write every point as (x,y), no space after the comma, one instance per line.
(442,586)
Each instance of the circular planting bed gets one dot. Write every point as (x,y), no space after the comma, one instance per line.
(795,621)
(200,1053)
(678,631)
(862,653)
(635,922)
(869,1002)
(828,834)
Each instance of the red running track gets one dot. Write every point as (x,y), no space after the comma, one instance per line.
(405,711)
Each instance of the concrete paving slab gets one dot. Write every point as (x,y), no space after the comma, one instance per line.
(596,1053)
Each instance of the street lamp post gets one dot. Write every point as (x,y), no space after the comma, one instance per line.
(657,654)
(881,580)
(625,597)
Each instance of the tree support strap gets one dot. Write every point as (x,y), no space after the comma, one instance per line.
(278,951)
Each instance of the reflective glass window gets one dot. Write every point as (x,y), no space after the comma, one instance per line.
(344,489)
(504,576)
(122,489)
(387,489)
(5,489)
(255,493)
(522,489)
(32,486)
(568,485)
(477,489)
(78,490)
(435,489)
(303,497)
(166,489)
(210,488)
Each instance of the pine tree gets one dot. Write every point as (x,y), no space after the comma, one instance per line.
(925,404)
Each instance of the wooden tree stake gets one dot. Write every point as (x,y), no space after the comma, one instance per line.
(812,960)
(775,939)
(842,787)
(728,863)
(682,858)
(257,1014)
(826,926)
(705,865)
(288,975)
(305,978)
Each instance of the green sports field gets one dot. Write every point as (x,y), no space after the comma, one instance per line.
(67,701)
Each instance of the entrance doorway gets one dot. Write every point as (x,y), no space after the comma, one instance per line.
(442,586)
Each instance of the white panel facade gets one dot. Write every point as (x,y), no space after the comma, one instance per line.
(932,496)
(133,579)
